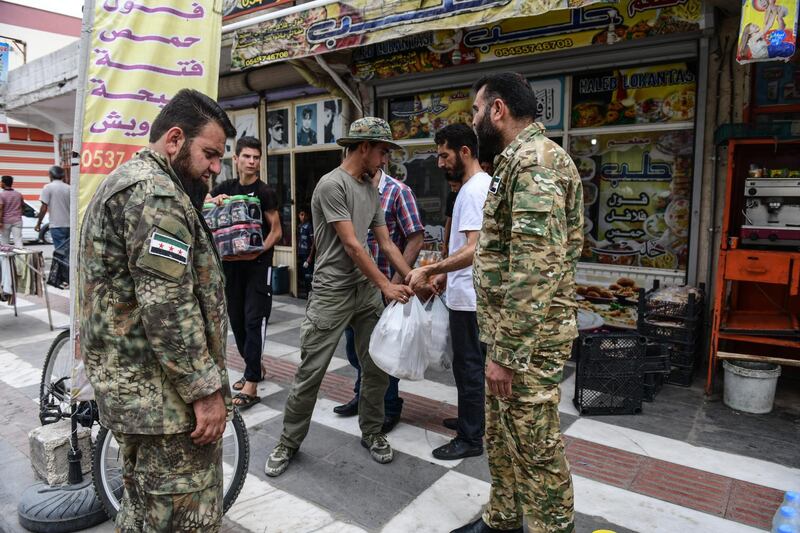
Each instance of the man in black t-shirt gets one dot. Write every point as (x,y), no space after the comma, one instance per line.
(248,286)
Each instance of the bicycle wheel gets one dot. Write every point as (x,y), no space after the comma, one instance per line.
(54,388)
(107,465)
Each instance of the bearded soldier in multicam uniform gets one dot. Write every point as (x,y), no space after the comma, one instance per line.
(153,321)
(524,277)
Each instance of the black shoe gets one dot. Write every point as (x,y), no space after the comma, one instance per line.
(450,423)
(348,409)
(389,423)
(479,526)
(457,449)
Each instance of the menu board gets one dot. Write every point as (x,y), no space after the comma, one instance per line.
(645,95)
(637,190)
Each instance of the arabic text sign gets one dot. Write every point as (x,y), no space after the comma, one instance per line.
(768,31)
(550,32)
(637,190)
(232,9)
(646,95)
(346,24)
(141,54)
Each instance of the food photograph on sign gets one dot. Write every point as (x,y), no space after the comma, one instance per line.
(647,95)
(636,193)
(421,115)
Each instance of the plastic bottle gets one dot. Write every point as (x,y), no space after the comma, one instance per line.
(224,214)
(792,499)
(784,516)
(254,208)
(239,209)
(210,215)
(785,528)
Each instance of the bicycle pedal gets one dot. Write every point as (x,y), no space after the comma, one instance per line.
(49,415)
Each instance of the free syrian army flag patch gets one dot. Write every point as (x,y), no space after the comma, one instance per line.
(169,247)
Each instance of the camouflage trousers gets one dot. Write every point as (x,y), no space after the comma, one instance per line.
(170,484)
(528,466)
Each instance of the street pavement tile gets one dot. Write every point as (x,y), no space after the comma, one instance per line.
(405,473)
(475,467)
(276,316)
(754,445)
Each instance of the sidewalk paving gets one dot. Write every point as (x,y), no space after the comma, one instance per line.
(686,464)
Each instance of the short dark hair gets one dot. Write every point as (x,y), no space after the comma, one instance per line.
(457,135)
(274,119)
(8,181)
(513,89)
(247,142)
(352,147)
(190,110)
(56,172)
(307,112)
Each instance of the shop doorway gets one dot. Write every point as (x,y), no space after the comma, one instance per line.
(309,167)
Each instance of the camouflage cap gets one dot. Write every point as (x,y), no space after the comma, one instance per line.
(368,129)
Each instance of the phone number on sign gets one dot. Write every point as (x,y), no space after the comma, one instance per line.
(104,158)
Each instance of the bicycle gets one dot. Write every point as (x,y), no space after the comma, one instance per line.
(54,405)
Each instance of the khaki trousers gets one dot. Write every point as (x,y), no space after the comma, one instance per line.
(328,313)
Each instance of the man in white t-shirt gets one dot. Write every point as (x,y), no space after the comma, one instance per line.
(457,149)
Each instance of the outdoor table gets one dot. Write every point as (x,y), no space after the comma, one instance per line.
(27,255)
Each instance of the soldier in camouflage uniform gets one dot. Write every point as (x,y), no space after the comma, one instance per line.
(153,321)
(524,277)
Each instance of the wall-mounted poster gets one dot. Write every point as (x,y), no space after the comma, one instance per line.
(277,129)
(636,194)
(246,124)
(768,31)
(305,124)
(331,120)
(643,95)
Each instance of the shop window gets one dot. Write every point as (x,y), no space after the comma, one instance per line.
(636,193)
(279,177)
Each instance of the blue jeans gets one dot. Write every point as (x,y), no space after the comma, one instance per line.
(392,402)
(60,240)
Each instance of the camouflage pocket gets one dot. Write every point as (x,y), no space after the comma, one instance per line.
(531,213)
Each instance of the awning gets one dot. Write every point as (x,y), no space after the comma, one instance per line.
(340,24)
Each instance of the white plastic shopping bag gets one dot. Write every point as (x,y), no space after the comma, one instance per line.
(440,347)
(398,342)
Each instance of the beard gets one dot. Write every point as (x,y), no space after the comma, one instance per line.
(457,174)
(489,138)
(195,186)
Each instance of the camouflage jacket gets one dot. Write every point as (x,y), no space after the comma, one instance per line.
(152,316)
(528,250)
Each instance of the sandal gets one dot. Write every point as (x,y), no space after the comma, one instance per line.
(245,401)
(239,385)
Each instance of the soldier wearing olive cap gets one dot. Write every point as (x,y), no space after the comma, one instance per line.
(347,289)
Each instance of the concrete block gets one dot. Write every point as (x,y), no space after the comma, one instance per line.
(49,446)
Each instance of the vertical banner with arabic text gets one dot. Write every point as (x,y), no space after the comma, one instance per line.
(141,53)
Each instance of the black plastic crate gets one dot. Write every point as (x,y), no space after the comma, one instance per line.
(681,376)
(608,377)
(657,359)
(651,386)
(689,312)
(683,356)
(684,333)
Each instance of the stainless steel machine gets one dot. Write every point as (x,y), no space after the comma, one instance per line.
(771,212)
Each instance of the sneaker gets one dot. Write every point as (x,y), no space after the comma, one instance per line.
(379,447)
(278,460)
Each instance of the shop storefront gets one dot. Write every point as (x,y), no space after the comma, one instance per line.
(628,118)
(617,86)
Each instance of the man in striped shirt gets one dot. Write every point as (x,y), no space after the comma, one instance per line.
(407,232)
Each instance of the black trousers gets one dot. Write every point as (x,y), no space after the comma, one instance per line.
(469,356)
(248,288)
